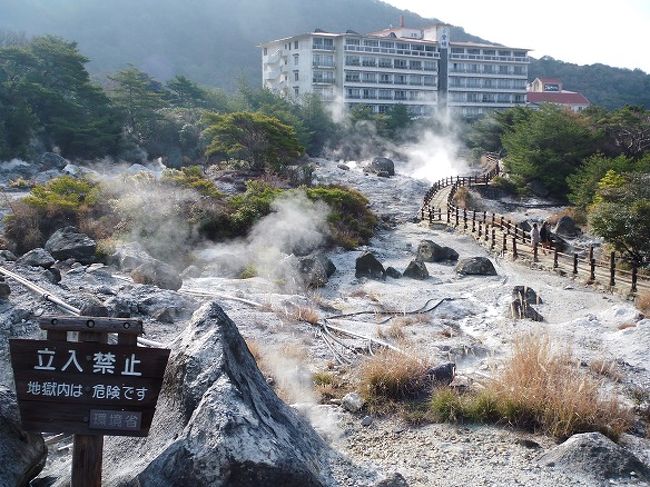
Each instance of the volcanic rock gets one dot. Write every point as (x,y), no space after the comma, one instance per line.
(22,454)
(392,272)
(218,423)
(476,266)
(527,294)
(50,160)
(352,401)
(312,272)
(416,270)
(382,165)
(37,258)
(368,266)
(5,290)
(129,255)
(566,227)
(595,456)
(7,255)
(69,243)
(429,251)
(157,273)
(442,375)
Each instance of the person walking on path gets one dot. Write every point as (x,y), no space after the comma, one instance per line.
(534,236)
(545,237)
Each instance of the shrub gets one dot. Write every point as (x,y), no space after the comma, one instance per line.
(59,202)
(350,220)
(538,389)
(191,177)
(389,375)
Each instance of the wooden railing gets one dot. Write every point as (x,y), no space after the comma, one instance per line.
(501,235)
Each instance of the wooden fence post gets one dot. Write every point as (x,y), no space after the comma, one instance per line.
(457,217)
(439,214)
(493,218)
(575,264)
(635,270)
(464,219)
(508,227)
(504,246)
(612,269)
(592,269)
(493,243)
(473,221)
(535,259)
(555,258)
(514,248)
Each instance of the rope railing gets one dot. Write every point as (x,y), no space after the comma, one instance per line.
(502,235)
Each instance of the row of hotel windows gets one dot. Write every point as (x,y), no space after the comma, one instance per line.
(487,68)
(471,97)
(487,52)
(398,95)
(390,63)
(414,110)
(489,83)
(404,46)
(387,78)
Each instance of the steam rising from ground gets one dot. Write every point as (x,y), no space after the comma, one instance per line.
(431,151)
(296,225)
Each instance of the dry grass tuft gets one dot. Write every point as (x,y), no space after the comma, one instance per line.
(389,375)
(607,368)
(643,303)
(579,216)
(304,313)
(539,389)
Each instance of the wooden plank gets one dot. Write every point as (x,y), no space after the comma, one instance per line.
(87,461)
(86,323)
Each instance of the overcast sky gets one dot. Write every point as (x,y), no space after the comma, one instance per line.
(615,32)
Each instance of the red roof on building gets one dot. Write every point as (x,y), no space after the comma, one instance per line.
(560,97)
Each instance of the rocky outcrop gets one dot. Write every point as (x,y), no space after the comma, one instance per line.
(476,266)
(368,266)
(596,457)
(50,160)
(442,375)
(5,290)
(22,454)
(416,270)
(158,274)
(523,298)
(429,251)
(70,243)
(7,255)
(37,258)
(567,227)
(218,423)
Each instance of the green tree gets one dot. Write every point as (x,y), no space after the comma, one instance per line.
(185,93)
(627,129)
(584,183)
(45,88)
(138,97)
(620,214)
(548,146)
(264,141)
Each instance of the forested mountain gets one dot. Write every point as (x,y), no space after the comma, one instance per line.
(214,41)
(210,41)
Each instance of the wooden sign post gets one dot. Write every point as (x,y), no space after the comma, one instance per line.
(87,387)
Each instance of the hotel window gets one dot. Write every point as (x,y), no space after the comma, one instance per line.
(295,59)
(352,76)
(402,46)
(296,90)
(295,45)
(352,42)
(429,65)
(503,69)
(387,44)
(400,79)
(400,95)
(385,62)
(352,60)
(371,43)
(369,61)
(265,51)
(400,63)
(505,53)
(417,65)
(385,78)
(489,52)
(488,68)
(518,70)
(296,76)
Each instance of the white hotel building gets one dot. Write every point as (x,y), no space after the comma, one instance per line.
(418,68)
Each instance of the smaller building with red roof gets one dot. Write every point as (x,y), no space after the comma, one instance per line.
(550,90)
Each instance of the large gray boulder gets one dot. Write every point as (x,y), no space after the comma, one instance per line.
(70,243)
(22,454)
(382,165)
(416,270)
(37,258)
(596,457)
(5,290)
(218,423)
(129,255)
(368,266)
(429,251)
(476,266)
(567,227)
(50,160)
(157,273)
